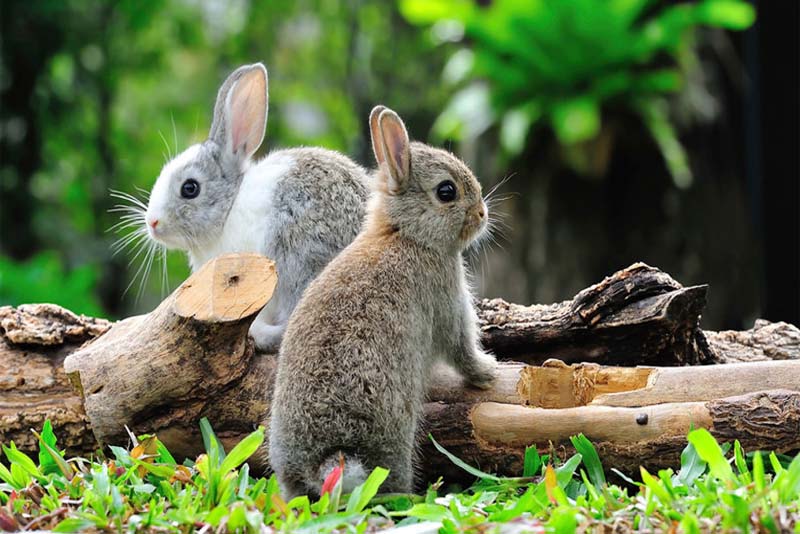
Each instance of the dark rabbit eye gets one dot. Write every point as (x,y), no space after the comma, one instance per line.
(190,188)
(446,191)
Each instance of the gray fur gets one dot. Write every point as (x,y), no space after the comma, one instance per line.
(299,207)
(354,362)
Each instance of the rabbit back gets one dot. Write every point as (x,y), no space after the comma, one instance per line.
(354,362)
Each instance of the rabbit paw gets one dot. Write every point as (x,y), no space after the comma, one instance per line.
(267,336)
(482,371)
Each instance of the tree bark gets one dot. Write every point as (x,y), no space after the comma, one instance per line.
(191,357)
(493,436)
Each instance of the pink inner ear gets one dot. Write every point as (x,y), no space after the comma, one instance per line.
(396,140)
(248,114)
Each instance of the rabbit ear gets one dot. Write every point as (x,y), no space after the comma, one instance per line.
(240,114)
(394,146)
(374,134)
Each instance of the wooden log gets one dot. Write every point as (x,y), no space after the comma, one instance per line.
(765,341)
(494,436)
(557,385)
(191,358)
(637,316)
(163,371)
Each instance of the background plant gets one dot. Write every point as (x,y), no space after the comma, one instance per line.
(560,63)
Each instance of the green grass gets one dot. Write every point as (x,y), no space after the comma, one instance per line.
(717,489)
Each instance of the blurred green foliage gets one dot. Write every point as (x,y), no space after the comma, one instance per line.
(561,62)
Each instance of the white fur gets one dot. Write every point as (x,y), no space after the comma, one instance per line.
(156,207)
(251,212)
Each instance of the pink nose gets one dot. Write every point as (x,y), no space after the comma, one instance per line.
(153,223)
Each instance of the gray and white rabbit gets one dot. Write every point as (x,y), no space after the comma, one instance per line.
(353,366)
(298,206)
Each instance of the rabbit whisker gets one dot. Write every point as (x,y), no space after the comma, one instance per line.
(169,152)
(174,132)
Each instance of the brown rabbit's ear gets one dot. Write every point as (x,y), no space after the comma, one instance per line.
(394,145)
(240,115)
(374,134)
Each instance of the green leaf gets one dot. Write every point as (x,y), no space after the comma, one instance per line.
(777,467)
(564,472)
(161,471)
(692,466)
(790,482)
(655,116)
(741,464)
(463,465)
(425,511)
(21,459)
(710,451)
(47,438)
(54,462)
(243,450)
(430,11)
(563,520)
(730,14)
(758,472)
(6,476)
(576,120)
(532,462)
(655,486)
(590,459)
(73,524)
(122,456)
(366,491)
(164,456)
(328,523)
(214,448)
(689,524)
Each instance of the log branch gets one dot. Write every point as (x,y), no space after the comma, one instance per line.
(637,316)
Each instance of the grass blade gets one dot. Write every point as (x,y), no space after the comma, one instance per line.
(591,460)
(463,465)
(366,491)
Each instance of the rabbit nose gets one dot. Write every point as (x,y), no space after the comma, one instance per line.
(481,212)
(153,223)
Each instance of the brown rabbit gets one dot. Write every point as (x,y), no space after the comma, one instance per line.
(358,350)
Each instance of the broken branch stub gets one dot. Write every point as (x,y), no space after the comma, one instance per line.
(162,370)
(637,316)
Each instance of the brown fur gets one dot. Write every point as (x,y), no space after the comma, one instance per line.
(359,347)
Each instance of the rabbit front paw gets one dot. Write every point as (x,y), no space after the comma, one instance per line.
(267,336)
(482,371)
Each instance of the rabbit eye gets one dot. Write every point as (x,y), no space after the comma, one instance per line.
(446,191)
(190,188)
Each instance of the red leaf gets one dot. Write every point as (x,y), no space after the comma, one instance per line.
(331,480)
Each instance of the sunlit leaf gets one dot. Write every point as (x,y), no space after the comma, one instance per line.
(576,120)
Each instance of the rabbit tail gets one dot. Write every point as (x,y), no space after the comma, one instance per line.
(354,472)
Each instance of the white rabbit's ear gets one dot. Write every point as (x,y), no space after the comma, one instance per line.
(394,148)
(240,114)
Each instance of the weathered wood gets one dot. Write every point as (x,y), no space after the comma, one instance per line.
(191,358)
(637,316)
(765,341)
(163,371)
(557,385)
(494,435)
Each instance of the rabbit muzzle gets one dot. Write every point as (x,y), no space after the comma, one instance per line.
(475,223)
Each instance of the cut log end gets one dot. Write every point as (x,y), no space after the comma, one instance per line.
(227,288)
